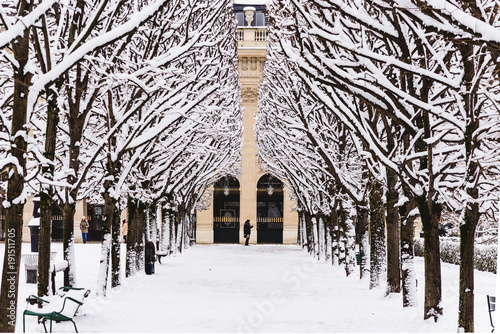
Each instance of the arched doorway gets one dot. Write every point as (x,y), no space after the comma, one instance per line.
(269,210)
(227,210)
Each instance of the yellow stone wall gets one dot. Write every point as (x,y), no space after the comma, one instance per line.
(80,210)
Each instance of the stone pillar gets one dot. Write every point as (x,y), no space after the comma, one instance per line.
(80,211)
(250,168)
(204,222)
(290,219)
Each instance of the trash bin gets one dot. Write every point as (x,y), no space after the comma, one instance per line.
(31,267)
(150,258)
(34,226)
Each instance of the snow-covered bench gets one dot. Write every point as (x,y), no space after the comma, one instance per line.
(62,307)
(161,254)
(491,308)
(54,268)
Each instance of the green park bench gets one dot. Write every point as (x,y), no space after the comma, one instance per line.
(491,308)
(62,307)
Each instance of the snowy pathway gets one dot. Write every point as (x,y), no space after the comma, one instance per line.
(232,288)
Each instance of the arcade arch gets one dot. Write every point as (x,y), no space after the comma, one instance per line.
(269,210)
(226,212)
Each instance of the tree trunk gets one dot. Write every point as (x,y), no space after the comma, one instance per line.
(347,254)
(309,234)
(46,195)
(301,234)
(408,273)
(109,210)
(393,234)
(68,214)
(335,237)
(165,232)
(15,184)
(132,240)
(141,235)
(377,234)
(12,260)
(328,236)
(102,278)
(115,248)
(173,235)
(187,227)
(314,223)
(472,109)
(466,285)
(430,213)
(179,231)
(350,246)
(321,238)
(44,242)
(364,245)
(146,223)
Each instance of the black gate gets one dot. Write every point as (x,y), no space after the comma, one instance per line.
(270,230)
(227,230)
(269,210)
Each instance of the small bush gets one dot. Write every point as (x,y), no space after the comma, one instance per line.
(485,256)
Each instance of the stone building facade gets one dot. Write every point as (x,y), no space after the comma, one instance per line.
(254,195)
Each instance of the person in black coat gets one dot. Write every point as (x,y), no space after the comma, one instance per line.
(246,231)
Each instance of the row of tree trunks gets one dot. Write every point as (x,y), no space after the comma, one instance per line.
(373,220)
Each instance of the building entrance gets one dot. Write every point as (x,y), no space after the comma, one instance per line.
(227,210)
(95,215)
(269,210)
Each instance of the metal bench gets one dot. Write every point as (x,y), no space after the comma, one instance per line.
(491,308)
(62,307)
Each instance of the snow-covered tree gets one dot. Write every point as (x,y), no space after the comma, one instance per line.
(165,119)
(412,80)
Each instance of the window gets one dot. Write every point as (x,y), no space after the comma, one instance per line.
(240,17)
(259,20)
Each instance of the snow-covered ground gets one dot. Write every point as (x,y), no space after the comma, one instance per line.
(232,288)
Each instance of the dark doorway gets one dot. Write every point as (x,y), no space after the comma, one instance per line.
(269,210)
(56,224)
(95,215)
(227,210)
